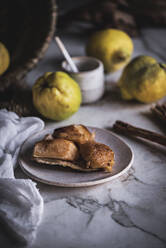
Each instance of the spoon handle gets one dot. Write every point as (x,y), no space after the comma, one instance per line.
(66,54)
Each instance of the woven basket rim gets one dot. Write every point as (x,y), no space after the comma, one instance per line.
(21,71)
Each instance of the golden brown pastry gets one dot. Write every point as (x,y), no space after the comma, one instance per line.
(74,147)
(56,148)
(76,133)
(97,155)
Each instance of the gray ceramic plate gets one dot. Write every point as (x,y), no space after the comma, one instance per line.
(65,177)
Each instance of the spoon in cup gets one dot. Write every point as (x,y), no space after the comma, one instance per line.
(66,55)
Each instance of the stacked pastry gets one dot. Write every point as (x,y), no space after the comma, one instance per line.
(74,146)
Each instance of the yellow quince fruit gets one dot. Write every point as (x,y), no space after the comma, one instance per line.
(4,58)
(56,95)
(112,46)
(143,79)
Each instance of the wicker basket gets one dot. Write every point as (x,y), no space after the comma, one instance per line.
(26,28)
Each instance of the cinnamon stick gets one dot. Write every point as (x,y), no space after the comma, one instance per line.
(128,129)
(160,111)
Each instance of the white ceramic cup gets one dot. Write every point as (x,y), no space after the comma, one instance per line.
(90,77)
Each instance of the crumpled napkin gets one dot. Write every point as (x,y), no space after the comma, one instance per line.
(21,205)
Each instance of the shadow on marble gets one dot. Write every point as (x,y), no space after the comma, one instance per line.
(154,41)
(51,62)
(158,122)
(7,240)
(112,95)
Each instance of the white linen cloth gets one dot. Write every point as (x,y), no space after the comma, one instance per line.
(21,205)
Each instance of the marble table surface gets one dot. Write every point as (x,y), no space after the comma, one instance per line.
(129,211)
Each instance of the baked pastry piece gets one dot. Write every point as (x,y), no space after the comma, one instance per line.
(76,133)
(97,155)
(56,149)
(74,147)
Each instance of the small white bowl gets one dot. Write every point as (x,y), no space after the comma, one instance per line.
(90,77)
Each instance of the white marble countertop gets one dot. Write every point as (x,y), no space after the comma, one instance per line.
(129,211)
